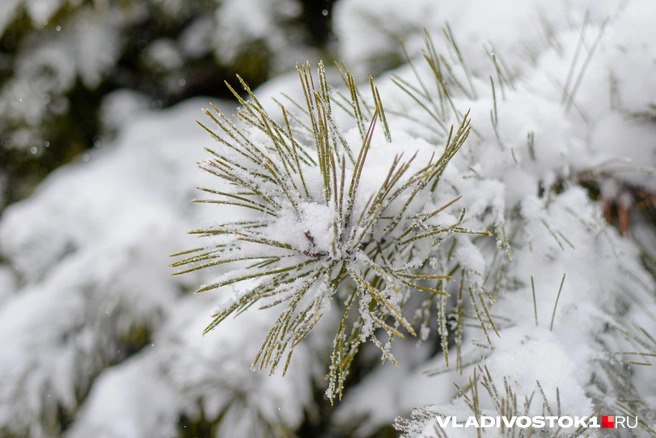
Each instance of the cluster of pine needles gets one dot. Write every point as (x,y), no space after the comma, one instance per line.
(370,264)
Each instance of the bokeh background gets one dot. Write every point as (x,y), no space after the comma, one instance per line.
(85,92)
(68,69)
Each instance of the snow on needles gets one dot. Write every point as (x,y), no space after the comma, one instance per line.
(373,202)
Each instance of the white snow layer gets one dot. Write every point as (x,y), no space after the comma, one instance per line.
(91,244)
(75,40)
(90,253)
(600,124)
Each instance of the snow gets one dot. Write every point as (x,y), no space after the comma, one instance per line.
(194,376)
(121,106)
(241,22)
(500,171)
(134,392)
(92,244)
(7,13)
(516,29)
(40,11)
(164,54)
(565,291)
(86,46)
(551,365)
(71,41)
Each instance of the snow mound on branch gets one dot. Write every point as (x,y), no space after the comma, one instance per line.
(369,38)
(134,393)
(89,249)
(185,375)
(519,174)
(66,45)
(90,285)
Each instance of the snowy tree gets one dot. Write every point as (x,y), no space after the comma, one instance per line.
(468,233)
(67,66)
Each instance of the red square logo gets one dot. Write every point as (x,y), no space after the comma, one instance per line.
(608,422)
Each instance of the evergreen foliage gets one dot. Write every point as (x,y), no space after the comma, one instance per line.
(377,244)
(472,234)
(67,67)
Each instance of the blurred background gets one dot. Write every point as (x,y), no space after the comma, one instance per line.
(70,69)
(105,172)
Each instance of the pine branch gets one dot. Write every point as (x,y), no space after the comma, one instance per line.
(281,174)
